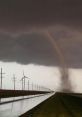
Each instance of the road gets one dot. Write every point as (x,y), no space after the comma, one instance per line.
(15,109)
(59,105)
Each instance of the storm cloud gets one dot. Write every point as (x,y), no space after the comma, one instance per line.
(63,18)
(16,16)
(36,48)
(25,49)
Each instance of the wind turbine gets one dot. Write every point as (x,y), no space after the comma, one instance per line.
(22,83)
(24,80)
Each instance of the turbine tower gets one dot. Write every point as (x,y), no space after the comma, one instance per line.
(14,80)
(24,81)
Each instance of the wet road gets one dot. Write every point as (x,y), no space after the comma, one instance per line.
(12,99)
(15,109)
(59,105)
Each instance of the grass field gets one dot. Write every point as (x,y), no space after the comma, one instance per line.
(59,105)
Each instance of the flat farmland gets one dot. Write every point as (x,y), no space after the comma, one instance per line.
(15,93)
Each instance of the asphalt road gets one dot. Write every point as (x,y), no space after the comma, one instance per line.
(59,105)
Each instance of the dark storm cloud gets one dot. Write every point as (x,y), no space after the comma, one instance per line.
(19,16)
(26,14)
(25,49)
(36,48)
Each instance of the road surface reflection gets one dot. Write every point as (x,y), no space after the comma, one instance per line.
(15,109)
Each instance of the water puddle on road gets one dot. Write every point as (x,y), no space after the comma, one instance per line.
(15,109)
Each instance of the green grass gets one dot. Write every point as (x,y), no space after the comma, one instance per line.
(59,105)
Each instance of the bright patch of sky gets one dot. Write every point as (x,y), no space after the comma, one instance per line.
(38,75)
(45,76)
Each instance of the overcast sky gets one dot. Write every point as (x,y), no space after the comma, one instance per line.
(23,41)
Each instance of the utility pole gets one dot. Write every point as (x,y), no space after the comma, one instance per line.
(24,82)
(14,80)
(1,73)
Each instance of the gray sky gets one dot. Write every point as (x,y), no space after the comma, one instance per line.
(17,16)
(62,18)
(21,33)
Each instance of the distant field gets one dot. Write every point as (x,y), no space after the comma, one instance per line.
(15,93)
(59,105)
